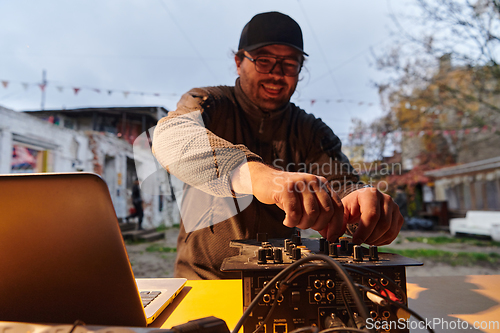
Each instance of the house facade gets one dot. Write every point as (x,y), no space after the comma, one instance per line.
(469,186)
(98,140)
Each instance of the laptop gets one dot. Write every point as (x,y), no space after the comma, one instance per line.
(62,255)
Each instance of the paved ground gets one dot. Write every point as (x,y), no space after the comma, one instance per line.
(161,264)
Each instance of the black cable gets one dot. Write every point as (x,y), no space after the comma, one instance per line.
(330,262)
(346,304)
(284,285)
(312,329)
(268,314)
(75,324)
(397,304)
(343,329)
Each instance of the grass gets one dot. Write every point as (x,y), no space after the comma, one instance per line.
(440,240)
(451,258)
(134,242)
(163,227)
(159,248)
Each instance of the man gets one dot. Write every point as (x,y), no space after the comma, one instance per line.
(137,202)
(225,142)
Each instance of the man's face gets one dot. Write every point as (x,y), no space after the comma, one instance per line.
(268,91)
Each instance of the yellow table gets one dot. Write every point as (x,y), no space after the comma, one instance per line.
(203,298)
(468,298)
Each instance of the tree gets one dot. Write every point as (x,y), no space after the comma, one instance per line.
(436,106)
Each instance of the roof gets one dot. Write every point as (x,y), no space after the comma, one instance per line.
(490,163)
(131,110)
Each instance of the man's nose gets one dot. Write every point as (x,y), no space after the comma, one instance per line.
(277,68)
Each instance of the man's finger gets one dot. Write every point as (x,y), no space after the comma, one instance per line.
(384,221)
(326,205)
(368,202)
(337,224)
(292,206)
(310,210)
(396,224)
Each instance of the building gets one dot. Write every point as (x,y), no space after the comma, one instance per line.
(112,142)
(453,119)
(469,186)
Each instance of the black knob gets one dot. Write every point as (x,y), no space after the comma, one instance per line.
(287,245)
(326,250)
(333,250)
(261,256)
(269,254)
(373,253)
(296,240)
(322,244)
(358,253)
(278,256)
(296,253)
(343,245)
(350,248)
(262,237)
(290,249)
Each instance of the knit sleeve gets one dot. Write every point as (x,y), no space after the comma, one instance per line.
(187,149)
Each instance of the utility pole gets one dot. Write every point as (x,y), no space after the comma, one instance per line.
(44,85)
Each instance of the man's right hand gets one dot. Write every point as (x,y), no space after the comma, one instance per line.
(306,199)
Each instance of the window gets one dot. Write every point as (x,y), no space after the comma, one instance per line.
(27,159)
(492,195)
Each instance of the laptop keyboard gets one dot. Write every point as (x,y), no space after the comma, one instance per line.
(148,296)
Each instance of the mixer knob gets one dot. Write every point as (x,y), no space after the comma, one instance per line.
(373,253)
(296,240)
(350,248)
(343,245)
(278,256)
(262,256)
(358,253)
(333,250)
(296,254)
(326,250)
(322,244)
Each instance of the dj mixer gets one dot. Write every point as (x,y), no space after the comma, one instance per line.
(317,295)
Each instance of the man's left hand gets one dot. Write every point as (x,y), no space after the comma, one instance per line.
(377,214)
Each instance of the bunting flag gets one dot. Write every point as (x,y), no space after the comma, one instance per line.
(76,90)
(451,133)
(313,101)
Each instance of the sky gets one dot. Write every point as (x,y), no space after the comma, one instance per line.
(150,52)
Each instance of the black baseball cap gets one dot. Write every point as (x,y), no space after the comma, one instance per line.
(271,28)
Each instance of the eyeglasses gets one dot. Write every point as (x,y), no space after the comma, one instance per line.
(266,64)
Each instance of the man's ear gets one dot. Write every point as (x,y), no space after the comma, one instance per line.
(237,60)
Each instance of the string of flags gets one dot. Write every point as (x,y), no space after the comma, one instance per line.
(420,133)
(339,100)
(76,90)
